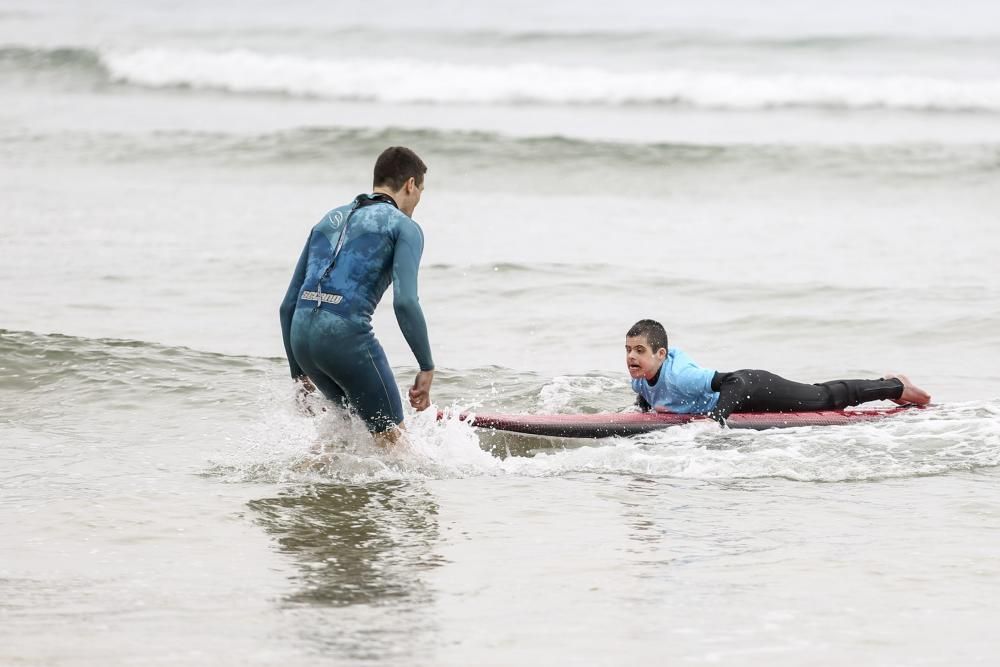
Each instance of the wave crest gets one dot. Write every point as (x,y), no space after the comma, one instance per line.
(409,81)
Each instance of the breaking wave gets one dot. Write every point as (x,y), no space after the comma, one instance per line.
(402,81)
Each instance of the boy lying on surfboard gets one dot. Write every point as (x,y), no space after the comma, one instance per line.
(667,380)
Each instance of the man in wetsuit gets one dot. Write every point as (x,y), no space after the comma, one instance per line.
(349,259)
(672,382)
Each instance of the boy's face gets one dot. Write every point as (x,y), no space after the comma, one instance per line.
(642,361)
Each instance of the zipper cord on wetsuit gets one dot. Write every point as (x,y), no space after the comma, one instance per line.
(336,251)
(359,202)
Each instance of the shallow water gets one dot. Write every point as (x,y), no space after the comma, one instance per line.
(812,192)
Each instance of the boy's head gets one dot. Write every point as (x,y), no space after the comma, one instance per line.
(645,348)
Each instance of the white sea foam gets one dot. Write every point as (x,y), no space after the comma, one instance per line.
(289,445)
(959,437)
(307,439)
(411,81)
(566,393)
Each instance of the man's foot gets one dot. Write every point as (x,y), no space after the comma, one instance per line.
(912,394)
(393,438)
(317,462)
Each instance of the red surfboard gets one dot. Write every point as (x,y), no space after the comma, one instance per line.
(607,424)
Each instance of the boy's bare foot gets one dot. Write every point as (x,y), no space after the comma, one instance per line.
(912,394)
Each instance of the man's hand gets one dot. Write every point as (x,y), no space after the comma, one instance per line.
(420,392)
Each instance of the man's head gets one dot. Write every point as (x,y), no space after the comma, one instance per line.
(645,348)
(399,173)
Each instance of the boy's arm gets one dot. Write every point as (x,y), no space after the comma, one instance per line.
(694,381)
(642,403)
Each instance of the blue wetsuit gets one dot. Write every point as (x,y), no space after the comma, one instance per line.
(679,386)
(338,281)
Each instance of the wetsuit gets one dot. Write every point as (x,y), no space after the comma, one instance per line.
(348,261)
(687,386)
(679,386)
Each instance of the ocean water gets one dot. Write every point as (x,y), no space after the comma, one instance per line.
(811,188)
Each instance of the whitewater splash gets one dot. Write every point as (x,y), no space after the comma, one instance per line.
(411,81)
(291,447)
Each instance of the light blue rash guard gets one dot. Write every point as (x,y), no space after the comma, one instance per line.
(382,246)
(683,386)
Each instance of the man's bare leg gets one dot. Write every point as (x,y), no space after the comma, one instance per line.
(392,439)
(912,394)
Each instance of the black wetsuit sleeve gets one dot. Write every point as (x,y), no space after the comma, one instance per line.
(409,315)
(287,309)
(642,403)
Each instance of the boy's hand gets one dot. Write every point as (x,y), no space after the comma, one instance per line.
(420,392)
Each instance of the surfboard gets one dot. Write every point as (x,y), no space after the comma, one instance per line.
(607,424)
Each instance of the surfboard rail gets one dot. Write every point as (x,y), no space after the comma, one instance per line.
(608,424)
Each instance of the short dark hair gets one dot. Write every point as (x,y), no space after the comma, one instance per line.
(653,331)
(396,165)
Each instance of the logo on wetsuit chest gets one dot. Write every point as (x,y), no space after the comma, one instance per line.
(320,297)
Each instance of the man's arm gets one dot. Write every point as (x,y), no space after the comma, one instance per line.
(409,314)
(287,310)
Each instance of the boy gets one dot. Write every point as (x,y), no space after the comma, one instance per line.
(671,382)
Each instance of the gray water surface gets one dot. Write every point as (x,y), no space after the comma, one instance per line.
(811,189)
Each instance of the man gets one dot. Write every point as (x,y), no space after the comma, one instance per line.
(349,259)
